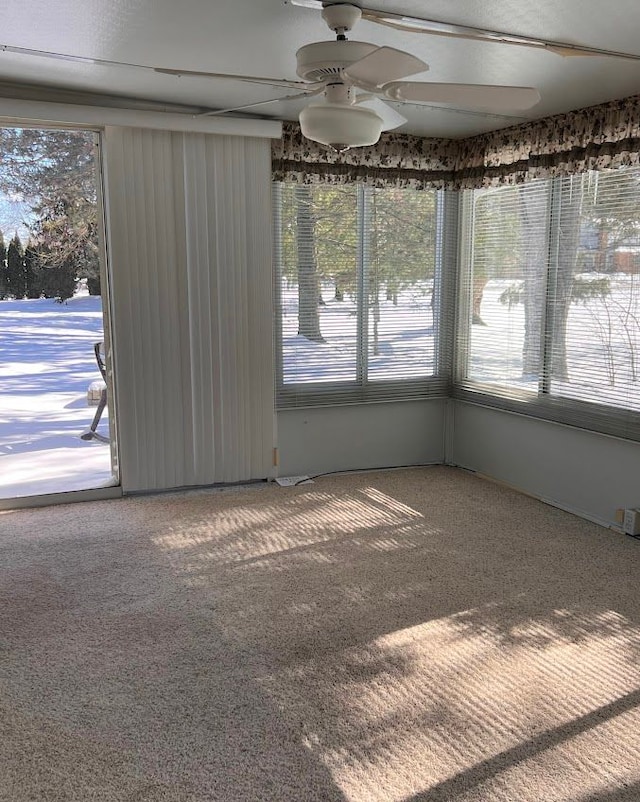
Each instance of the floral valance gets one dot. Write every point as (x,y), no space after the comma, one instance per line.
(397,159)
(595,138)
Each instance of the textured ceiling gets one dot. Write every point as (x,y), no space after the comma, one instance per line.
(260,37)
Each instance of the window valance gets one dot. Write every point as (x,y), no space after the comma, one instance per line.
(398,160)
(595,138)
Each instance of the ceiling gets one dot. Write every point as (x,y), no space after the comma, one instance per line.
(260,37)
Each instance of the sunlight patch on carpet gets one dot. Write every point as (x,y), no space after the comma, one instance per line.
(420,709)
(250,532)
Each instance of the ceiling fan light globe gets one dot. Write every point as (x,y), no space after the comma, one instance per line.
(340,127)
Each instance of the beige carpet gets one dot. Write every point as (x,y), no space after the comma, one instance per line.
(413,635)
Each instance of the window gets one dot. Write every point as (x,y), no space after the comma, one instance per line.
(359,292)
(551,298)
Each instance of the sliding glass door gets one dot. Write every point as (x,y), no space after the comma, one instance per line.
(55,424)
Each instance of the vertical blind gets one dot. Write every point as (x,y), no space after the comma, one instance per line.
(552,298)
(190,257)
(358,293)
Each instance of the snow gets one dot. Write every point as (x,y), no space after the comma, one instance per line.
(603,342)
(46,366)
(603,345)
(406,341)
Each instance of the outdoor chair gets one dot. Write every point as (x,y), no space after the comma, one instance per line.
(91,433)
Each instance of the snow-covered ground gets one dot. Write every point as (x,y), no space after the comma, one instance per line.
(406,338)
(603,342)
(46,366)
(603,345)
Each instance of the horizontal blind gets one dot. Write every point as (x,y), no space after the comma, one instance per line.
(400,271)
(358,294)
(594,299)
(551,290)
(504,286)
(318,277)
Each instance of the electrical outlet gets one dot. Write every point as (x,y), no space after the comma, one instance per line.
(631,522)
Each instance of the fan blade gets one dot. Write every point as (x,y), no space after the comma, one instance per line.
(251,79)
(390,117)
(277,82)
(297,96)
(25,51)
(475,96)
(436,28)
(383,65)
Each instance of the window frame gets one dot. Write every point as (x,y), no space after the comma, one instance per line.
(362,389)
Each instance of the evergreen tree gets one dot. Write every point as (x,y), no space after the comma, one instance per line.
(57,280)
(55,172)
(4,282)
(93,284)
(15,269)
(33,272)
(63,281)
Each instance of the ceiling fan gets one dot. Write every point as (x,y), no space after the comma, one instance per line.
(352,77)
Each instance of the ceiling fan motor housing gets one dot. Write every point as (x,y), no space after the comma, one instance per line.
(341,17)
(322,61)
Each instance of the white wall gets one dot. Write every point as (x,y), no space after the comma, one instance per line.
(323,439)
(585,472)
